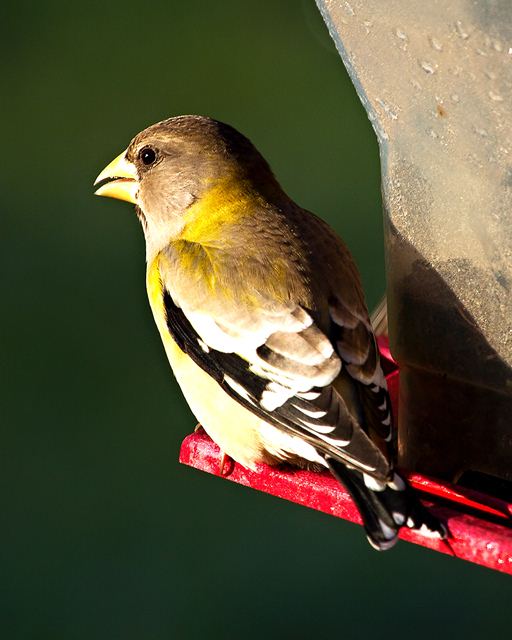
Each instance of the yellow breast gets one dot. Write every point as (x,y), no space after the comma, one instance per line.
(235,429)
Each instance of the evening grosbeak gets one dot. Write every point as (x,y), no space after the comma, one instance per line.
(261,311)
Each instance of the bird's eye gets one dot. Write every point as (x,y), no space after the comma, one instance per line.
(147,156)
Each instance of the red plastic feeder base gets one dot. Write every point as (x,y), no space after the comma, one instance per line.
(480,525)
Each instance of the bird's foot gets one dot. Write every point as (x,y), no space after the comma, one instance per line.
(226,465)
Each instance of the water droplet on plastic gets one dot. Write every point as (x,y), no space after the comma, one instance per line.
(495,96)
(461,30)
(404,40)
(387,108)
(428,67)
(349,9)
(435,43)
(472,158)
(490,546)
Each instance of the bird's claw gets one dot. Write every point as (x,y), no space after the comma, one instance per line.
(225,465)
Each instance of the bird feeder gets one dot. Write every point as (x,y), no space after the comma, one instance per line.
(436,81)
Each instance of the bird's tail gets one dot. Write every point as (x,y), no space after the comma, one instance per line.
(386,507)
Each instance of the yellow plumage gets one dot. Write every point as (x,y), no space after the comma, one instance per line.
(261,313)
(220,415)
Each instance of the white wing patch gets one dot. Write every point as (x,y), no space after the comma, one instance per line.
(275,395)
(204,346)
(311,414)
(283,445)
(238,388)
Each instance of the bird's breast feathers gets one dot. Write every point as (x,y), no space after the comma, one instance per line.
(265,383)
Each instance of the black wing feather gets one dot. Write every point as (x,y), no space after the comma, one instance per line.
(288,416)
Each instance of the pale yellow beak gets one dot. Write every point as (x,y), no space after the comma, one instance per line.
(122,180)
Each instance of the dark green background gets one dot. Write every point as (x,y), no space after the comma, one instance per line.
(102,533)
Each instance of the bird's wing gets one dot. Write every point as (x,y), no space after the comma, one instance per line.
(355,343)
(350,329)
(269,355)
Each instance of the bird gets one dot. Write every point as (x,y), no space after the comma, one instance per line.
(262,315)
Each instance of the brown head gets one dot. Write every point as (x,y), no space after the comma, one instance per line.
(172,164)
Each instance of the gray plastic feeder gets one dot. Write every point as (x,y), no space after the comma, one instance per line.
(436,80)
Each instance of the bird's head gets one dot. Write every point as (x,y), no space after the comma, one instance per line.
(173,164)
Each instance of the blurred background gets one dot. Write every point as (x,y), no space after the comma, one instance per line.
(103,534)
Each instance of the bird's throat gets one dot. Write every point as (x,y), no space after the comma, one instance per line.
(222,207)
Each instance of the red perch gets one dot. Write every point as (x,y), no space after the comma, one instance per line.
(480,525)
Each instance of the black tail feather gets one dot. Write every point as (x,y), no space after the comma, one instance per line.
(385,507)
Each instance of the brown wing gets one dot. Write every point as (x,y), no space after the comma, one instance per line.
(277,350)
(348,325)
